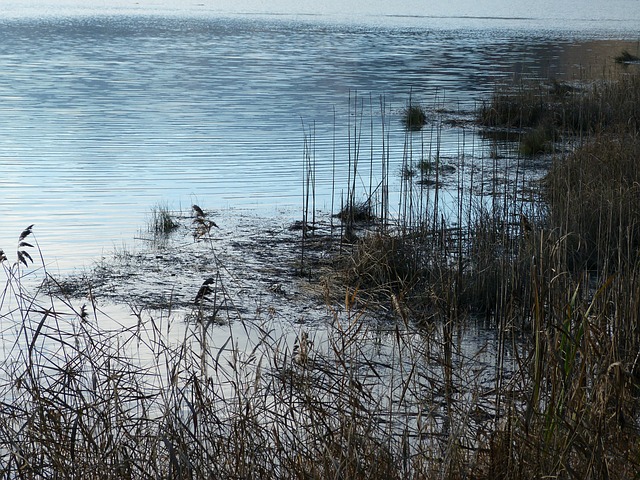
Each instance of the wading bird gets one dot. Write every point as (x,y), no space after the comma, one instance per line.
(204,291)
(198,211)
(202,227)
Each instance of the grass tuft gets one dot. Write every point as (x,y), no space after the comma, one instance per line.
(593,108)
(414,117)
(162,221)
(357,212)
(536,141)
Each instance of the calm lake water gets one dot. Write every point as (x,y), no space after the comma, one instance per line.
(106,112)
(111,108)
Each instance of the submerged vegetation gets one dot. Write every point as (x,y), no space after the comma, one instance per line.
(547,269)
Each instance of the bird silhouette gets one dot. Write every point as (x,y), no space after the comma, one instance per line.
(202,227)
(205,222)
(205,290)
(198,211)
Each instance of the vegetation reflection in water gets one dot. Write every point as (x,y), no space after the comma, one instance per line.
(386,388)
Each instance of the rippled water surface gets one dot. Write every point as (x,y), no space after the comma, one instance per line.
(106,113)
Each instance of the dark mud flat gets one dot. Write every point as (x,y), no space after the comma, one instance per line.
(252,266)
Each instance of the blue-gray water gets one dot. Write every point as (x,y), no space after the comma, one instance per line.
(106,112)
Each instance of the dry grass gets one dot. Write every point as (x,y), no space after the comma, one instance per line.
(543,114)
(593,195)
(79,401)
(390,388)
(556,277)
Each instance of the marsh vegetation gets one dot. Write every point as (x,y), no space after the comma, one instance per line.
(414,117)
(389,387)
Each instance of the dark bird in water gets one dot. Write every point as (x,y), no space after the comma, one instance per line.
(205,290)
(198,211)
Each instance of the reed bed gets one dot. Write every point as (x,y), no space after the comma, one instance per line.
(357,400)
(549,265)
(486,333)
(581,108)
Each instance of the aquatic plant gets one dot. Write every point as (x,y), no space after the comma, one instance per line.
(80,400)
(590,108)
(592,195)
(362,397)
(536,141)
(414,117)
(544,264)
(358,212)
(161,221)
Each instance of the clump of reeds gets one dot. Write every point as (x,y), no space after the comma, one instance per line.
(521,107)
(429,167)
(537,141)
(593,107)
(381,263)
(594,196)
(414,117)
(162,221)
(555,272)
(356,212)
(80,401)
(388,388)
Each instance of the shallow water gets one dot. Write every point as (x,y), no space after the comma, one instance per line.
(108,112)
(104,113)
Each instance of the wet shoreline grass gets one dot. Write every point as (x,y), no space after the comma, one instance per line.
(560,267)
(388,389)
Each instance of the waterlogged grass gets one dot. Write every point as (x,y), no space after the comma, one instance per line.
(537,141)
(544,113)
(593,196)
(553,267)
(395,383)
(414,117)
(352,401)
(162,221)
